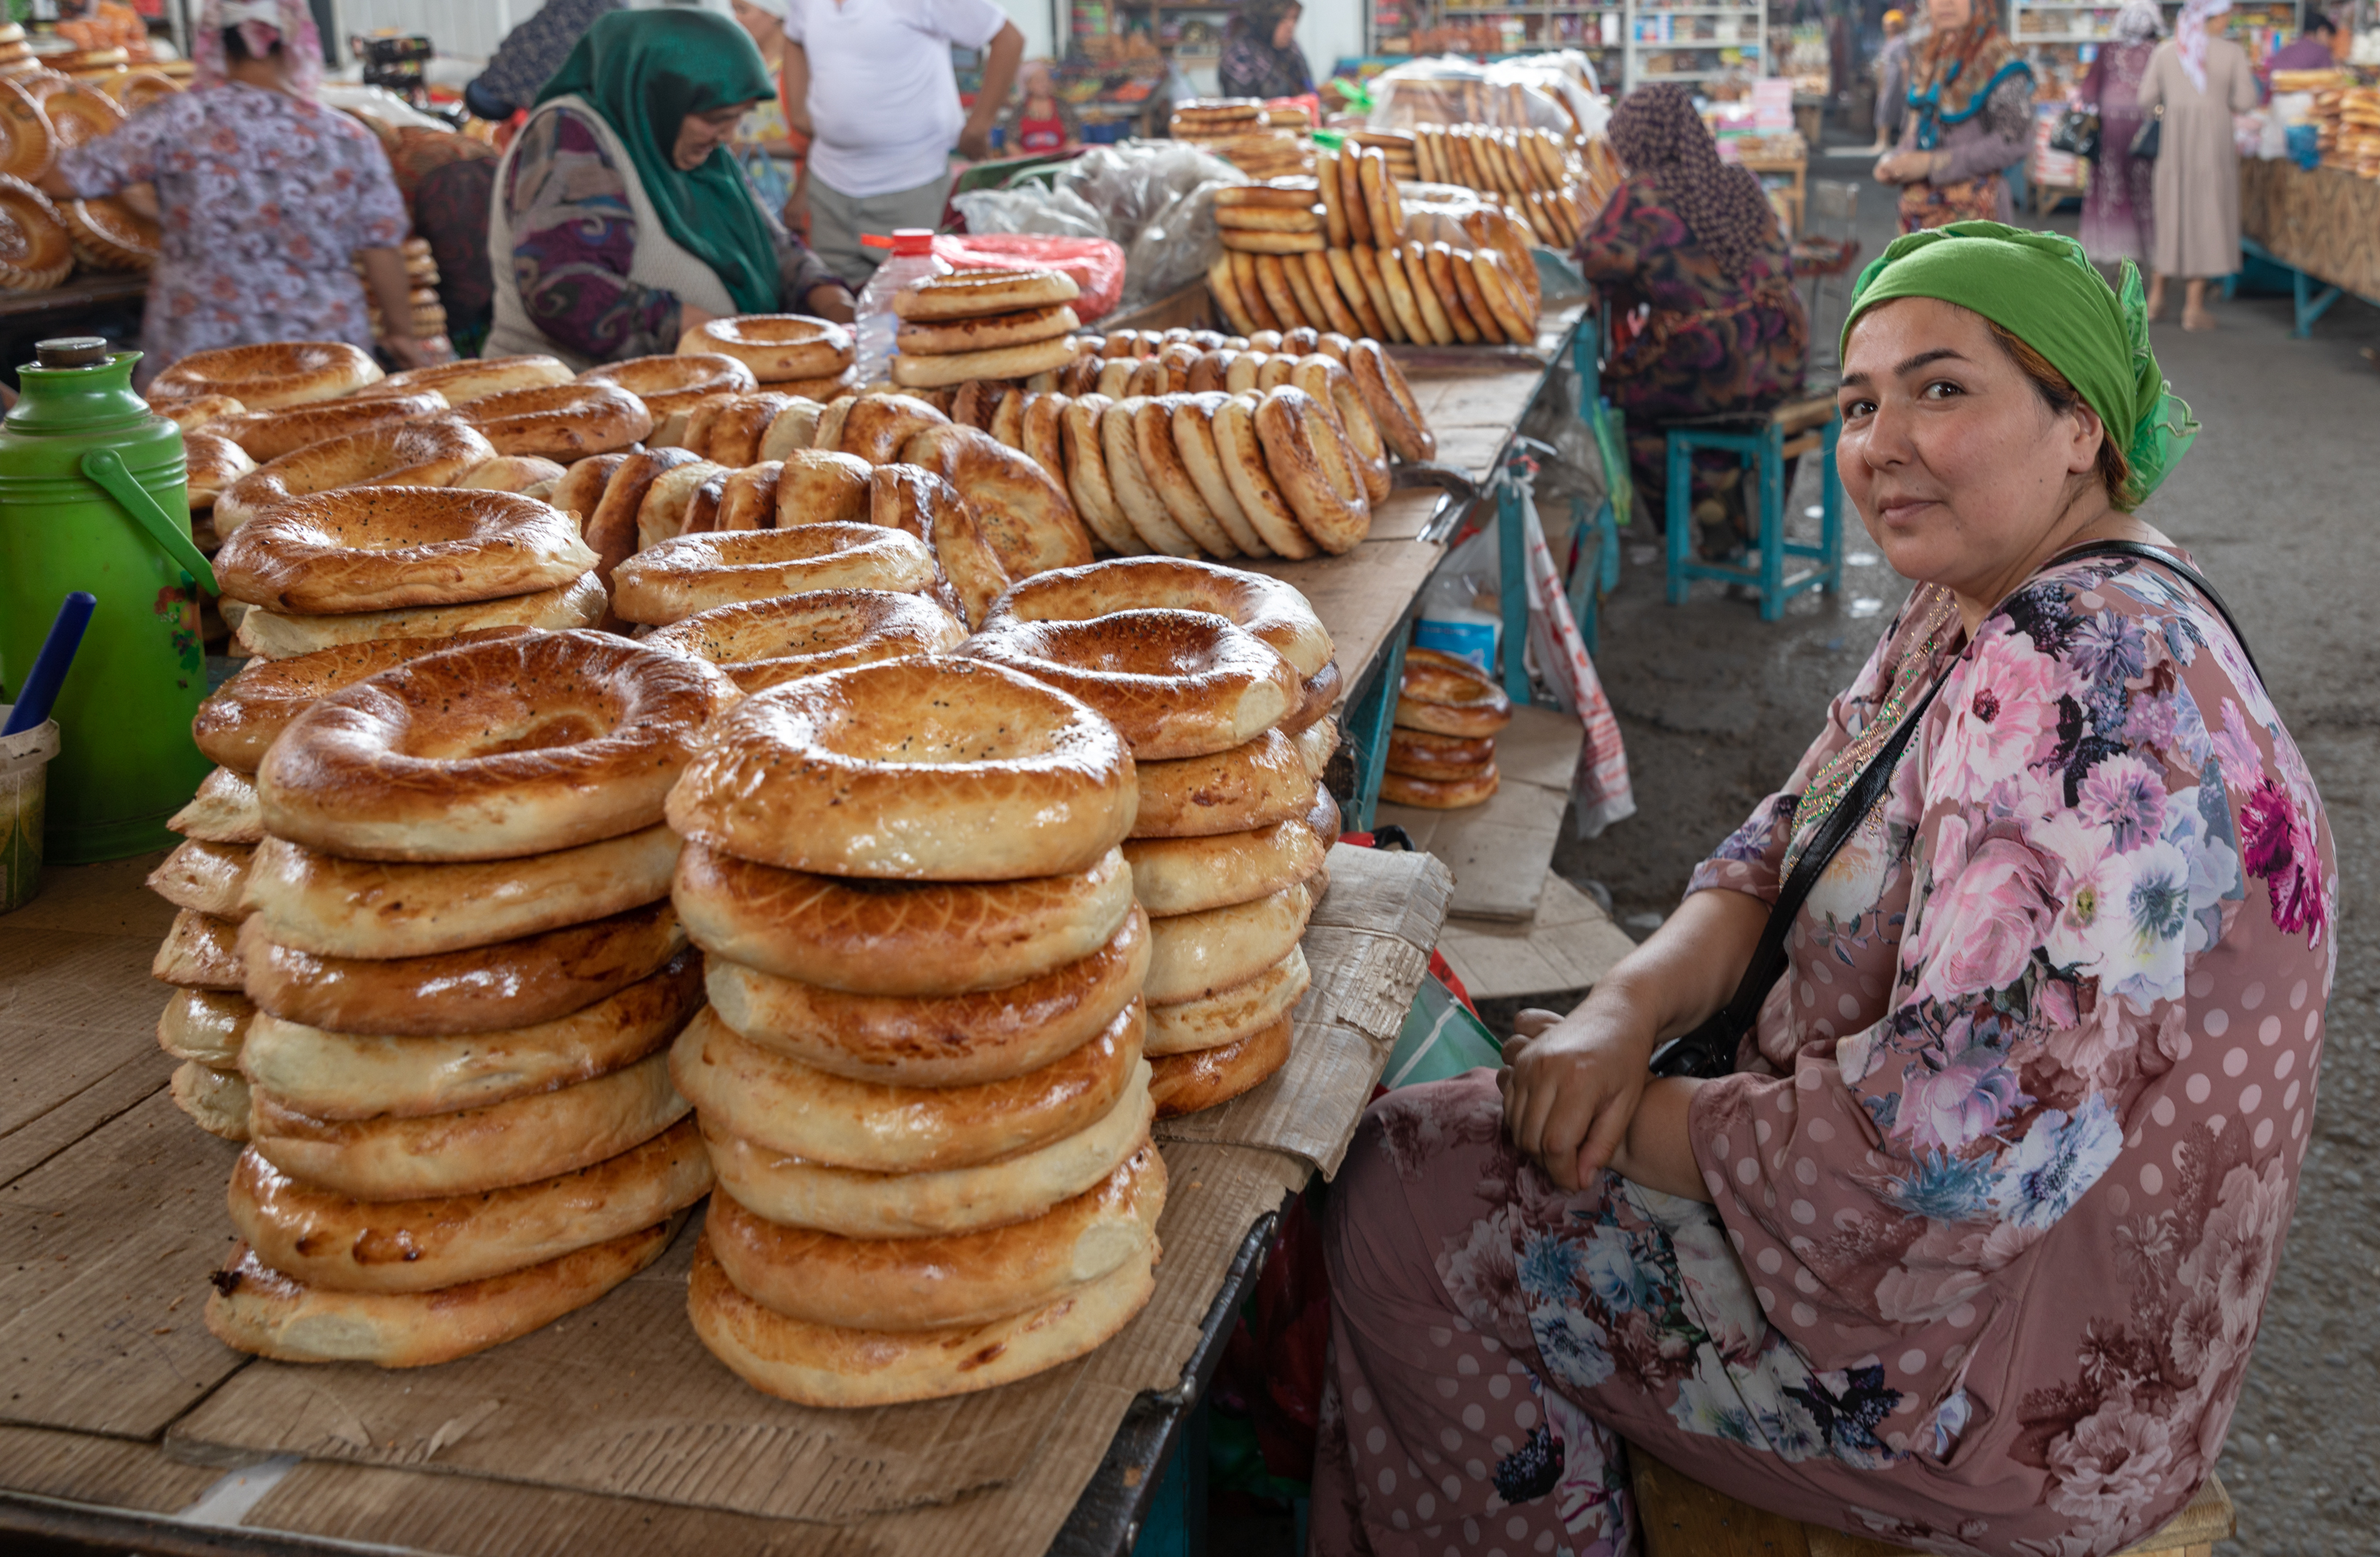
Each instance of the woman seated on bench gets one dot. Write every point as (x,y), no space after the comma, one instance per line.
(1969,1249)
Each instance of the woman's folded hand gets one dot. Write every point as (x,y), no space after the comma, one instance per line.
(1572,1082)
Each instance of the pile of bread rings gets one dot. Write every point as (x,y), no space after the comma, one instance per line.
(919,1077)
(983,324)
(428,972)
(1335,252)
(1222,683)
(44,112)
(1442,743)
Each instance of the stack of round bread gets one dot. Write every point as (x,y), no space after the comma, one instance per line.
(428,311)
(1281,217)
(36,246)
(1292,470)
(1361,273)
(919,1077)
(377,561)
(790,353)
(1201,120)
(1222,684)
(206,875)
(984,325)
(466,973)
(1442,746)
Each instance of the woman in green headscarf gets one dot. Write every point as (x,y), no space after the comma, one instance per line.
(620,220)
(1951,1225)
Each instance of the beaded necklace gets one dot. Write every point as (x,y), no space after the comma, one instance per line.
(1837,774)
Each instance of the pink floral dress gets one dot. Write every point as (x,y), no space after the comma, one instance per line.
(1999,1195)
(264,198)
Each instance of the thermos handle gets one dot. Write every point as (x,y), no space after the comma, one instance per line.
(106,467)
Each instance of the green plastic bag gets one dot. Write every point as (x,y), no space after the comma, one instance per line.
(1441,1038)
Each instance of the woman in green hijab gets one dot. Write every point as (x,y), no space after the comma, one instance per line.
(620,220)
(1948,1219)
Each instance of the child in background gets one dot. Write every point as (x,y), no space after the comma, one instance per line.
(1041,123)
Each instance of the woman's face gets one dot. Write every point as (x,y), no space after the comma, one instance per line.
(1961,470)
(698,135)
(1949,16)
(1285,29)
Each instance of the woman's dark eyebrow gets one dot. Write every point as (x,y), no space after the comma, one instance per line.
(1860,381)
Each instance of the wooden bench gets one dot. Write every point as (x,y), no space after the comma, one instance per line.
(1684,1518)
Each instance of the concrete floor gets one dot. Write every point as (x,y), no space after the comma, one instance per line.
(2279,502)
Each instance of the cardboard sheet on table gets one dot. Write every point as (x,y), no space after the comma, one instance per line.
(1569,944)
(621,1398)
(1360,595)
(1499,851)
(1228,1187)
(1369,946)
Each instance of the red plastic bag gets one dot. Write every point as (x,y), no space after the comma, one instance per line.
(1096,264)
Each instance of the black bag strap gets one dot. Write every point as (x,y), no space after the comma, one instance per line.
(1709,1049)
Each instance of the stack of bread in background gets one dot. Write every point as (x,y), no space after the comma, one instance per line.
(983,324)
(919,1077)
(45,111)
(465,971)
(1358,273)
(1222,683)
(1261,142)
(426,320)
(1442,746)
(1557,187)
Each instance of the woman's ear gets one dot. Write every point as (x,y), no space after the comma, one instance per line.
(2086,432)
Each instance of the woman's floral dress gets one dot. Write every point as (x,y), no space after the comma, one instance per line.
(1710,344)
(264,198)
(1998,1196)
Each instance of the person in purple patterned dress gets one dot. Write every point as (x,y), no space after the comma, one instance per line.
(1969,1251)
(264,196)
(2119,203)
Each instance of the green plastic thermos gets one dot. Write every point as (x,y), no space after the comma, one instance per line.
(94,495)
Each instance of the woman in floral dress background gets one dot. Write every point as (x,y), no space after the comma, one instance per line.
(1970,1250)
(2120,205)
(264,196)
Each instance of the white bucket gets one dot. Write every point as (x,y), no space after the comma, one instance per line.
(24,771)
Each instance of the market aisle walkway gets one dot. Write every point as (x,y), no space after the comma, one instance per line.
(2280,504)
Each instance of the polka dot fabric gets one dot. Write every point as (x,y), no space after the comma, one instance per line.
(1999,1188)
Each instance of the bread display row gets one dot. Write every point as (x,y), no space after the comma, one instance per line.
(507,944)
(44,112)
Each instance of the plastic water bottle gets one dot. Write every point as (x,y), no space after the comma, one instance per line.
(913,260)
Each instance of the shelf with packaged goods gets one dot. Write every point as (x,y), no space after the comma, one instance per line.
(1747,39)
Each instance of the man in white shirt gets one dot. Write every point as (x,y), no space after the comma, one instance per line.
(870,83)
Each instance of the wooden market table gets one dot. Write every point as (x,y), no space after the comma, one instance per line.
(125,1426)
(2323,225)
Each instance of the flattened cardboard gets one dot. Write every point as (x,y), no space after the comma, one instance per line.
(1369,946)
(1570,944)
(474,1517)
(104,1251)
(1361,595)
(1499,851)
(114,1472)
(622,1400)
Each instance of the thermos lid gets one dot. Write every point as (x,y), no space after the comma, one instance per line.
(71,351)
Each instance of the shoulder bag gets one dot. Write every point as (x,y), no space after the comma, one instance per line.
(1710,1050)
(2150,135)
(2077,131)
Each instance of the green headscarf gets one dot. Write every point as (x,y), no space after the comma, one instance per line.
(2042,288)
(645,71)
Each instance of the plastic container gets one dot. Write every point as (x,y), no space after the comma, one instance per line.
(913,260)
(92,497)
(24,784)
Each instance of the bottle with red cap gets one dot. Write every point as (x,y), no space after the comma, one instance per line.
(913,260)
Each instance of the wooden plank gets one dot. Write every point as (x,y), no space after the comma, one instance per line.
(112,1471)
(1681,1517)
(1569,944)
(1363,595)
(96,900)
(1499,851)
(104,1250)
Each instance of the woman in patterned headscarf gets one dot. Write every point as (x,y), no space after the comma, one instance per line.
(1970,117)
(1705,319)
(265,197)
(2199,81)
(2119,205)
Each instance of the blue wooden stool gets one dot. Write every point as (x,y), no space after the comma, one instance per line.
(1763,444)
